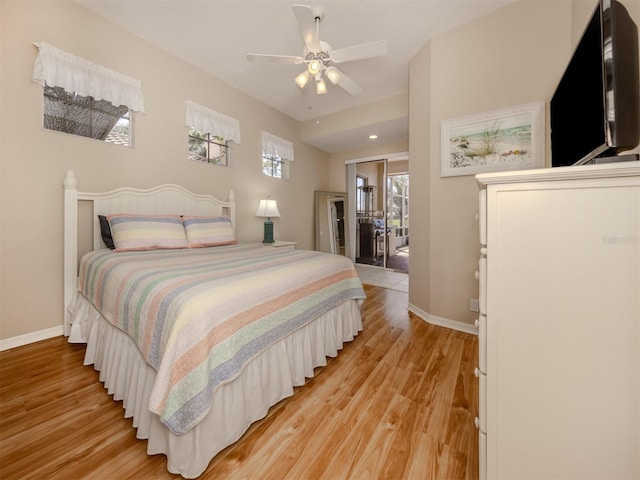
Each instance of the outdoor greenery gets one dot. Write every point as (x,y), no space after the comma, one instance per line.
(207,148)
(272,165)
(398,200)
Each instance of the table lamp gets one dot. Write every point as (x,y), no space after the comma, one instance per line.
(268,208)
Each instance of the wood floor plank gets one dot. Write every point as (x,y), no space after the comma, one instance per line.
(377,460)
(360,433)
(281,447)
(442,400)
(398,402)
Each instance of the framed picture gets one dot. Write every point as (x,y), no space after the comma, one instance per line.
(506,139)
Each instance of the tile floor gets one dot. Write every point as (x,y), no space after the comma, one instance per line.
(383,278)
(400,261)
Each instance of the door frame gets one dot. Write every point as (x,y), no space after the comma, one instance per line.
(350,179)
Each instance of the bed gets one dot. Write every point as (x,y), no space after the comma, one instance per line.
(197,334)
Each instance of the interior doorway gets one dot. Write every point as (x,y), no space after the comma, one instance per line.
(380,212)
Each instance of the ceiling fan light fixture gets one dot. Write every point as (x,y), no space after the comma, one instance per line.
(315,66)
(321,87)
(318,56)
(302,79)
(333,75)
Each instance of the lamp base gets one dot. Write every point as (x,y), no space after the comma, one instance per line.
(268,231)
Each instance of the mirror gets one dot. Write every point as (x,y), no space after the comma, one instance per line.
(331,222)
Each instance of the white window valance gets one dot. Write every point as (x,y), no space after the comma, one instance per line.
(212,122)
(57,68)
(272,145)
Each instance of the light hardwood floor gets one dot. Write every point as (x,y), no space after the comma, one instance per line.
(397,403)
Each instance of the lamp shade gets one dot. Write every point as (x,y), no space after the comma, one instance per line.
(268,208)
(333,74)
(321,87)
(302,79)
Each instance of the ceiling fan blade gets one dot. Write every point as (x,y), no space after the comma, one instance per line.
(307,26)
(258,57)
(359,52)
(349,86)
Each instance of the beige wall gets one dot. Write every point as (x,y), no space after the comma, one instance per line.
(398,167)
(420,201)
(512,56)
(33,161)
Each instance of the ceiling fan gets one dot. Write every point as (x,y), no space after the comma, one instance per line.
(318,56)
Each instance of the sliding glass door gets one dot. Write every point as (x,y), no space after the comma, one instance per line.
(379,234)
(398,207)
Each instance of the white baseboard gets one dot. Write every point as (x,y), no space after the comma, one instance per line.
(32,337)
(443,322)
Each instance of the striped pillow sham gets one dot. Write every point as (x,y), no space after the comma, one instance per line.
(146,232)
(208,231)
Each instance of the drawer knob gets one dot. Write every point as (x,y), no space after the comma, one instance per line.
(476,421)
(477,323)
(476,372)
(477,275)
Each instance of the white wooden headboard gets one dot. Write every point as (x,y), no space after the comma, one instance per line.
(163,199)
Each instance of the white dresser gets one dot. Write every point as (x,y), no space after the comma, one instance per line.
(559,324)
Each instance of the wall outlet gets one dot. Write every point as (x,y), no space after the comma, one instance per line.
(474,305)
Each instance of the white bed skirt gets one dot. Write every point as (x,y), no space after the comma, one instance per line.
(264,381)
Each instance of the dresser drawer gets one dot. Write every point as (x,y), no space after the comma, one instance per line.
(481,420)
(481,324)
(482,279)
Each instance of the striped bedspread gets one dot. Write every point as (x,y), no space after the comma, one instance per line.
(199,315)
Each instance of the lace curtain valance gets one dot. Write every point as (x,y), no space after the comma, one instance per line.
(273,145)
(58,68)
(212,122)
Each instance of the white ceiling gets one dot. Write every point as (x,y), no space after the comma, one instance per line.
(216,35)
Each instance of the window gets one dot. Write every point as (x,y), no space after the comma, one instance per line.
(276,156)
(85,99)
(208,148)
(361,182)
(209,134)
(72,113)
(273,166)
(398,203)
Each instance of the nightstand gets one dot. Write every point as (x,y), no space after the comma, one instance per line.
(284,245)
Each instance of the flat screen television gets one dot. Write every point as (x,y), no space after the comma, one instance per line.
(595,110)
